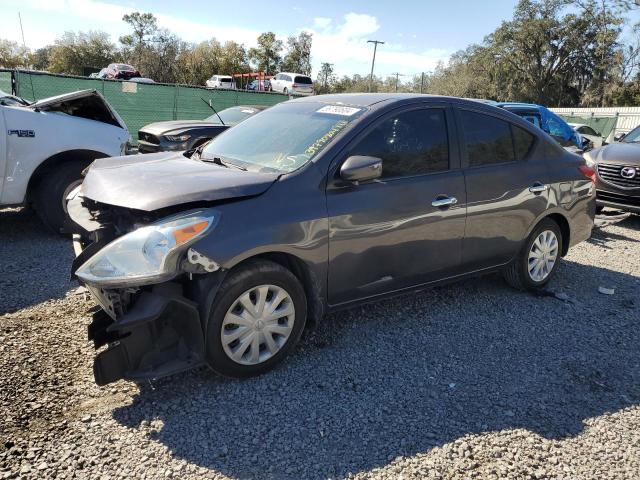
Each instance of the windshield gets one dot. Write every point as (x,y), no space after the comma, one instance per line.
(125,67)
(232,116)
(282,138)
(633,136)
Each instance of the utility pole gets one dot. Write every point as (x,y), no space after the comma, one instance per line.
(373,62)
(397,74)
(421,82)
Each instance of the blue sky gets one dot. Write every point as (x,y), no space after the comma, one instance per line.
(418,34)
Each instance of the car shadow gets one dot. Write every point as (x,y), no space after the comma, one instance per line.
(403,376)
(34,263)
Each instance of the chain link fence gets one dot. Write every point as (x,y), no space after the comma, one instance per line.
(137,103)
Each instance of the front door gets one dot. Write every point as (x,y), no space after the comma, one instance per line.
(405,228)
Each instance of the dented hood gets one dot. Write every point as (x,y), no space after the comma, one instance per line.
(153,181)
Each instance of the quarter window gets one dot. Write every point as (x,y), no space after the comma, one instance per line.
(410,143)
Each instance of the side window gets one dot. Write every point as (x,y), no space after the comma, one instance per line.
(522,141)
(488,139)
(410,143)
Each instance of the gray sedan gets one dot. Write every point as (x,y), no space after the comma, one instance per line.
(224,255)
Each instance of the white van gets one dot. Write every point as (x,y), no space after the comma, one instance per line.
(221,81)
(292,84)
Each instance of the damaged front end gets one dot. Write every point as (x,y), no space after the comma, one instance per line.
(155,290)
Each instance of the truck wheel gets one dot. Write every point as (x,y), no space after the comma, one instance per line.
(537,261)
(51,193)
(258,317)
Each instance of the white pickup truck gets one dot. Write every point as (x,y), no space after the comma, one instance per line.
(45,146)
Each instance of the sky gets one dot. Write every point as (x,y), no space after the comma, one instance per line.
(417,33)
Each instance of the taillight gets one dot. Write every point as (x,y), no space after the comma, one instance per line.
(294,86)
(588,172)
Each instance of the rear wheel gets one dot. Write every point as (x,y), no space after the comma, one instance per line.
(537,261)
(51,193)
(257,319)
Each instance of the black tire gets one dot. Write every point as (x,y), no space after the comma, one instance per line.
(599,209)
(252,274)
(51,190)
(517,273)
(285,91)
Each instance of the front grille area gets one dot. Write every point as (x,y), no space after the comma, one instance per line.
(610,173)
(619,198)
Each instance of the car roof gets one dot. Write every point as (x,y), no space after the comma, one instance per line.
(294,73)
(518,105)
(369,99)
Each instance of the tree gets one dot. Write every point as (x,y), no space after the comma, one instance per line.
(72,52)
(266,57)
(144,26)
(298,57)
(325,79)
(12,55)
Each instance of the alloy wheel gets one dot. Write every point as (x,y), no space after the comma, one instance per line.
(542,255)
(258,324)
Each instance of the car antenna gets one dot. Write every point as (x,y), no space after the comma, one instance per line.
(214,110)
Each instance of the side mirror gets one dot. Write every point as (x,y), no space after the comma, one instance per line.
(618,137)
(361,168)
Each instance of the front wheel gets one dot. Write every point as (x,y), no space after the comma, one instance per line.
(258,317)
(285,91)
(50,196)
(537,261)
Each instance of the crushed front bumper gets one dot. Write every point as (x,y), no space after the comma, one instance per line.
(161,334)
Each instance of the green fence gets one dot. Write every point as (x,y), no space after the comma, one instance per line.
(138,103)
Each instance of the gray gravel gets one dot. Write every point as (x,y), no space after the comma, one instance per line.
(472,380)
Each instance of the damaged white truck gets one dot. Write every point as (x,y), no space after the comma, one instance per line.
(45,146)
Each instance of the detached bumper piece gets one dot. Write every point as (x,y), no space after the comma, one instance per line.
(159,335)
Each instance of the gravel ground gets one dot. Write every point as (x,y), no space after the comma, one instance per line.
(472,380)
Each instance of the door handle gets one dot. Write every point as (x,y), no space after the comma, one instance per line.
(538,188)
(443,201)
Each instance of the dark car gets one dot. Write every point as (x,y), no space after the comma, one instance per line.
(121,71)
(548,121)
(178,135)
(259,86)
(223,255)
(618,167)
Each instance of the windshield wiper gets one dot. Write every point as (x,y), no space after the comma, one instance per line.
(218,160)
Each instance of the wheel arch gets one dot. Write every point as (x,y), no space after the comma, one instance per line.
(304,273)
(562,222)
(81,155)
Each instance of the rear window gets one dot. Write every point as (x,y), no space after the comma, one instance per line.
(303,80)
(125,68)
(225,79)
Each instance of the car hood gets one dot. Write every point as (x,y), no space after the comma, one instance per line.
(67,99)
(153,181)
(161,128)
(618,153)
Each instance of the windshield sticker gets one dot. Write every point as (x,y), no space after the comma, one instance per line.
(316,146)
(339,110)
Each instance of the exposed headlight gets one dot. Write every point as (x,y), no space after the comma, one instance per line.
(178,138)
(149,254)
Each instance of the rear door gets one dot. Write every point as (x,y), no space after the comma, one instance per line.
(390,234)
(3,149)
(507,186)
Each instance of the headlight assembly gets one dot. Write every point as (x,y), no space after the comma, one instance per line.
(178,138)
(149,254)
(589,160)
